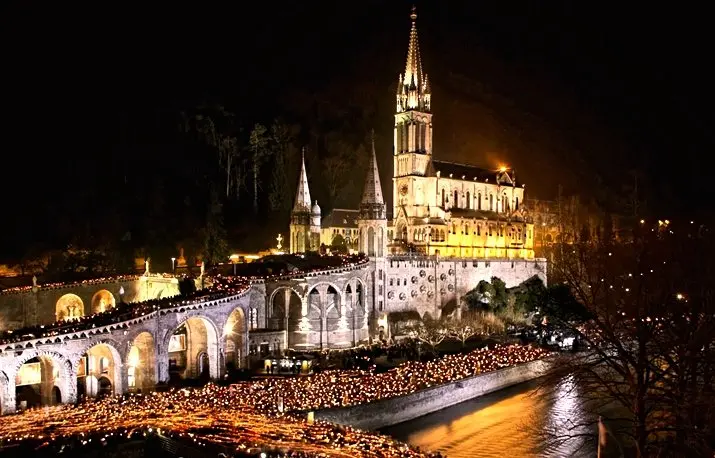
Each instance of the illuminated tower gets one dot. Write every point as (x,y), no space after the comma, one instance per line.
(413,123)
(303,217)
(372,227)
(372,223)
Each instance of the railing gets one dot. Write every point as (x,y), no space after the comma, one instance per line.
(222,290)
(93,281)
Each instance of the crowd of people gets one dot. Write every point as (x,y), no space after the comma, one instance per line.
(263,416)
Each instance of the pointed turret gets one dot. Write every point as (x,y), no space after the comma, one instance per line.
(305,218)
(412,88)
(302,196)
(372,222)
(372,192)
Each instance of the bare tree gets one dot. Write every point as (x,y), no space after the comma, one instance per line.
(648,352)
(282,151)
(465,327)
(217,127)
(430,332)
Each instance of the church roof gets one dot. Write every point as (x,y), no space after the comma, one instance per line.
(465,172)
(341,217)
(302,196)
(372,192)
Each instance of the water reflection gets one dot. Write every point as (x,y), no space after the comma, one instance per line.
(510,422)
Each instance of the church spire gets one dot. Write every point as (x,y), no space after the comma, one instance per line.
(413,91)
(302,197)
(372,205)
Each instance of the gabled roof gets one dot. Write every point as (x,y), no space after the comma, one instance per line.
(466,172)
(341,217)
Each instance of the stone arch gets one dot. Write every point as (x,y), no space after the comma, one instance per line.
(55,371)
(99,359)
(285,309)
(102,301)
(141,363)
(201,335)
(274,293)
(235,335)
(330,285)
(69,307)
(401,231)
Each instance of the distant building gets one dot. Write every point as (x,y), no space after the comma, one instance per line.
(340,222)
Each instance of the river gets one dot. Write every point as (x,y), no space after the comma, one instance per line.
(508,423)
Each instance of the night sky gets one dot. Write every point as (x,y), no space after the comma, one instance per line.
(582,95)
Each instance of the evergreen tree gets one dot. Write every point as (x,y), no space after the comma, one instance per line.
(215,247)
(281,148)
(258,146)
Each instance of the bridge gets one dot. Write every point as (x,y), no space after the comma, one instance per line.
(132,347)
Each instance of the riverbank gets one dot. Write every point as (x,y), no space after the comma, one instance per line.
(392,411)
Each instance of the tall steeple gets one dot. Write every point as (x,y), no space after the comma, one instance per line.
(302,196)
(372,192)
(413,91)
(304,219)
(372,223)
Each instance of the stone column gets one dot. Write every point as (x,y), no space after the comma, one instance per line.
(162,363)
(8,403)
(323,295)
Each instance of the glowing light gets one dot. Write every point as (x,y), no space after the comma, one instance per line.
(248,415)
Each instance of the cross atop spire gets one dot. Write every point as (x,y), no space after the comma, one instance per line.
(372,205)
(302,196)
(413,90)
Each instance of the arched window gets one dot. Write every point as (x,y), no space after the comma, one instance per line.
(423,137)
(491,202)
(443,199)
(516,204)
(479,229)
(469,202)
(455,204)
(479,201)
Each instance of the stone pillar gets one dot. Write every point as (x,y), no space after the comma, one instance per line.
(323,295)
(7,394)
(121,380)
(286,313)
(162,364)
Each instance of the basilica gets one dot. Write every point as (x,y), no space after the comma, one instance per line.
(439,208)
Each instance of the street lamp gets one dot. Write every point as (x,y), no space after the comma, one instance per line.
(173,265)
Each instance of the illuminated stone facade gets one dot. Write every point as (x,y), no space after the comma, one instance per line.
(439,207)
(446,208)
(453,224)
(305,218)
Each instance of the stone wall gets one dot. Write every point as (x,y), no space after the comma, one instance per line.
(429,285)
(388,412)
(38,305)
